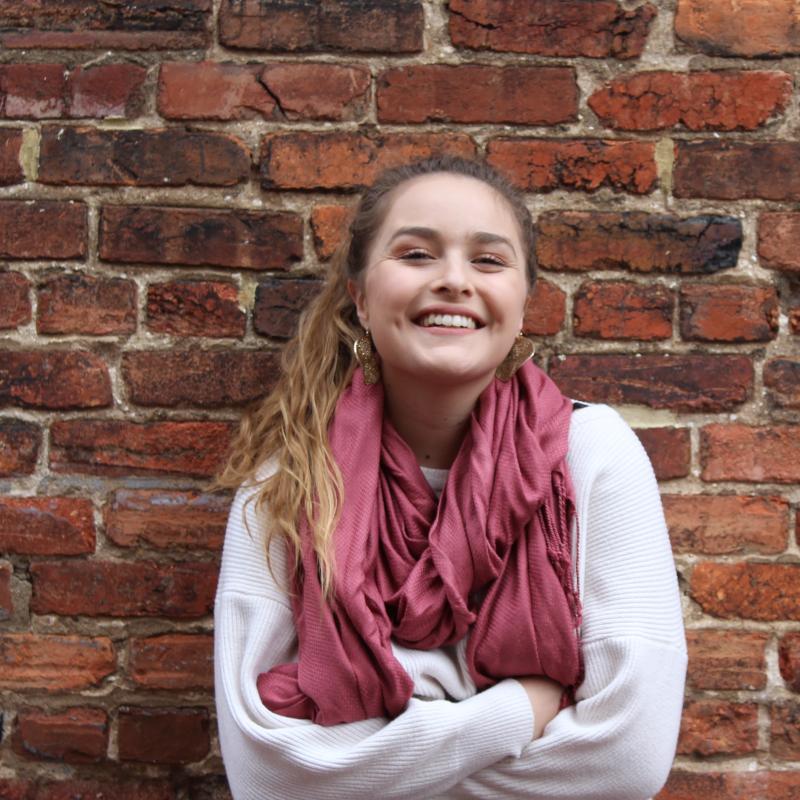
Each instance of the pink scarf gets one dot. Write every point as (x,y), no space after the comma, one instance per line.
(490,558)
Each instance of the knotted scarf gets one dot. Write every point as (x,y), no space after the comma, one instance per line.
(489,558)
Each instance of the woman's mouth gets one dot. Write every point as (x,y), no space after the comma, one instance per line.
(447,321)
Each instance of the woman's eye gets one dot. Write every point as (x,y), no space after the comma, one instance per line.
(492,260)
(415,255)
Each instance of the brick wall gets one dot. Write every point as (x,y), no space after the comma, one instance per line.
(174,176)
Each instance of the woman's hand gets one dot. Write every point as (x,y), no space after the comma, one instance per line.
(545,698)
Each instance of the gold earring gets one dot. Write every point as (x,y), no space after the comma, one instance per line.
(365,355)
(521,351)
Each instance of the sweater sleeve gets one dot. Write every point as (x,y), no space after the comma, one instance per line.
(424,751)
(618,741)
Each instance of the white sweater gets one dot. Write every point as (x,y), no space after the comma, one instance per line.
(616,742)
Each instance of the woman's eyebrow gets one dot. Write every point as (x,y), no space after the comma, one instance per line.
(481,237)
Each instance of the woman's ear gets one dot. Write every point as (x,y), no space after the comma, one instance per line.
(360,300)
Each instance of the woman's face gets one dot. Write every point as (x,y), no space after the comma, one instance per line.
(444,290)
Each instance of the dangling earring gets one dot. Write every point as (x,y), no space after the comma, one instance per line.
(521,351)
(365,355)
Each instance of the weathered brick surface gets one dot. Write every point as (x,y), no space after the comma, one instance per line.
(329,224)
(163,735)
(74,735)
(279,303)
(546,310)
(752,453)
(789,659)
(195,308)
(779,240)
(725,101)
(10,169)
(475,93)
(79,155)
(721,524)
(759,591)
(19,447)
(782,379)
(728,312)
(785,731)
(173,661)
(119,788)
(54,91)
(15,309)
(735,28)
(80,303)
(145,25)
(394,26)
(42,229)
(635,241)
(669,450)
(166,519)
(717,727)
(543,165)
(623,310)
(6,601)
(181,590)
(59,379)
(726,659)
(731,785)
(680,382)
(54,663)
(347,161)
(111,447)
(193,237)
(46,525)
(730,170)
(593,28)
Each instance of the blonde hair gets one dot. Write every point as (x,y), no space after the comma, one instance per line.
(289,427)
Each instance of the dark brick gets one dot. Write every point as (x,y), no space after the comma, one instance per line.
(19,447)
(195,308)
(782,379)
(173,661)
(279,303)
(42,229)
(726,659)
(789,660)
(785,731)
(46,525)
(6,601)
(731,785)
(779,241)
(15,309)
(10,168)
(669,451)
(74,735)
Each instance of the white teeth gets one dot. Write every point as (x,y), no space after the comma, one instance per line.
(448,321)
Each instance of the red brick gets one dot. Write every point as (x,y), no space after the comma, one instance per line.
(166,519)
(48,91)
(726,659)
(782,379)
(82,24)
(173,661)
(748,453)
(12,789)
(474,93)
(669,451)
(10,168)
(722,524)
(680,382)
(764,592)
(743,28)
(163,735)
(201,237)
(74,735)
(546,310)
(729,170)
(46,525)
(118,789)
(116,447)
(636,241)
(785,731)
(728,313)
(19,447)
(57,379)
(279,303)
(183,590)
(293,91)
(717,727)
(54,663)
(543,165)
(345,160)
(79,155)
(623,310)
(592,28)
(381,26)
(779,241)
(195,308)
(733,785)
(725,101)
(42,229)
(203,378)
(80,303)
(6,601)
(794,319)
(16,307)
(789,659)
(329,224)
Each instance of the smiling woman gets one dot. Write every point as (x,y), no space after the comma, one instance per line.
(440,578)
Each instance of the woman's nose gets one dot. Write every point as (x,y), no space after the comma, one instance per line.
(455,274)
